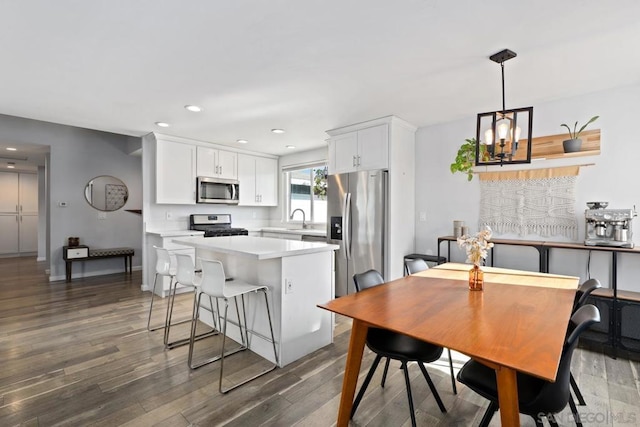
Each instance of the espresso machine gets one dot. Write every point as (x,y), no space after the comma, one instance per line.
(608,227)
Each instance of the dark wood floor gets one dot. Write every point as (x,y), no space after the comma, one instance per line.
(79,354)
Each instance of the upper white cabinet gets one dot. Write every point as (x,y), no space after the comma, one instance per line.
(9,192)
(258,178)
(216,163)
(362,149)
(175,173)
(28,190)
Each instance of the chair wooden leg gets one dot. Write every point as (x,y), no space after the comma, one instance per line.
(453,377)
(432,387)
(408,385)
(576,390)
(365,384)
(488,415)
(384,373)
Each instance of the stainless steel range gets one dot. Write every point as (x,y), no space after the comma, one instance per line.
(215,225)
(608,227)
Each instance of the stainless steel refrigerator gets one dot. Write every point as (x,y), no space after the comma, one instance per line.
(356,210)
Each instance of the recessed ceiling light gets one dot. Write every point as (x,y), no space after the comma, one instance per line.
(162,124)
(11,149)
(11,165)
(242,141)
(290,147)
(193,108)
(277,130)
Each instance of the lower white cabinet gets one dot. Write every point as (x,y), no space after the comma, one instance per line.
(28,232)
(18,233)
(9,237)
(258,177)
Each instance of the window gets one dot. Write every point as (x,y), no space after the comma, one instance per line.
(307,190)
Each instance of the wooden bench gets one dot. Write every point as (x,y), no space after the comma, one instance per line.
(71,254)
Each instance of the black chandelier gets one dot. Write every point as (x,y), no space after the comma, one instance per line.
(504,136)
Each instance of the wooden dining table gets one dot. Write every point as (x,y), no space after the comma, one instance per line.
(516,324)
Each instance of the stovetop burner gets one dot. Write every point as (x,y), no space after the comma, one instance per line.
(215,225)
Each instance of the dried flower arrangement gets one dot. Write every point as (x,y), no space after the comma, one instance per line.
(477,247)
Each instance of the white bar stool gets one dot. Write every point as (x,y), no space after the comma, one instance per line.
(185,276)
(164,268)
(214,285)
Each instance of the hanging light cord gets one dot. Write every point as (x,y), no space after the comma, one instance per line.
(503,103)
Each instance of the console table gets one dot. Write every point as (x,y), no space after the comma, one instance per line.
(617,299)
(83,253)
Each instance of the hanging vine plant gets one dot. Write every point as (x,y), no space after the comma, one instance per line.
(466,158)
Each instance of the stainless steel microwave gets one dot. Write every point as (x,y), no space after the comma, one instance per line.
(217,190)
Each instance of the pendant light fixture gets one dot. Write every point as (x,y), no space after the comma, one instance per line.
(504,136)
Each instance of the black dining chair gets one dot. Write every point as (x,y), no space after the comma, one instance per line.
(583,292)
(393,345)
(536,397)
(416,265)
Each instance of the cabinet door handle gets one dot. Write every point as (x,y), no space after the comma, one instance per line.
(354,161)
(220,170)
(359,161)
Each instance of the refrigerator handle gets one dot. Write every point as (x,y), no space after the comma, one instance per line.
(346,225)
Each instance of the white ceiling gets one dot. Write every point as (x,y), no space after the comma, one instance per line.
(302,65)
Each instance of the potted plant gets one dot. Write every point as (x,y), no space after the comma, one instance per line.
(466,158)
(574,143)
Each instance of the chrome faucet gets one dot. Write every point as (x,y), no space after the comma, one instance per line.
(304,224)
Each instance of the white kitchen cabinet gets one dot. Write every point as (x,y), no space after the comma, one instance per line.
(258,178)
(216,163)
(28,189)
(362,149)
(28,233)
(9,235)
(175,173)
(18,213)
(9,192)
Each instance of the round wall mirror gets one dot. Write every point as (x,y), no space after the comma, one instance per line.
(106,193)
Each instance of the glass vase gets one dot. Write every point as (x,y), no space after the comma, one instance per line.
(476,278)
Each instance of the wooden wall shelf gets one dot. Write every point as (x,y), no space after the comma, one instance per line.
(550,147)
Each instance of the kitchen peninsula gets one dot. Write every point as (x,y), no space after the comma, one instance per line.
(299,275)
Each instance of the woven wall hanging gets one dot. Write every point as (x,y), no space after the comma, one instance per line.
(538,201)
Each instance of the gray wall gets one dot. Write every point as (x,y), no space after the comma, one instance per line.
(76,156)
(612,178)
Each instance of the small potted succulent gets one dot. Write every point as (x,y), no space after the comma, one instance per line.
(574,143)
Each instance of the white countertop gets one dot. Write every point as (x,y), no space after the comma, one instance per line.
(297,231)
(175,233)
(256,247)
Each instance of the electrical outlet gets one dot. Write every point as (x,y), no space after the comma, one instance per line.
(289,286)
(102,215)
(168,215)
(423,216)
(255,215)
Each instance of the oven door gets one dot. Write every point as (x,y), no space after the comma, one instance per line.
(217,190)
